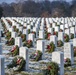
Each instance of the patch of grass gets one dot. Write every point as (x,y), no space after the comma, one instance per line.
(68,73)
(38,74)
(6,74)
(24,73)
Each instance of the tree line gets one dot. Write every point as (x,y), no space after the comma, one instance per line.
(39,9)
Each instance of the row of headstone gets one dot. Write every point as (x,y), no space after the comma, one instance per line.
(41,32)
(39,27)
(56,28)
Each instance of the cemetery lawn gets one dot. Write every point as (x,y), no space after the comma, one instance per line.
(64,48)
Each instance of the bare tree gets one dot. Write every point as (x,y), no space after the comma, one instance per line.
(36,9)
(18,7)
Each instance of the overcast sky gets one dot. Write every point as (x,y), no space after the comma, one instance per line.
(9,1)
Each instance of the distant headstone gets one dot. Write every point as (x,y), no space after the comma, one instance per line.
(18,41)
(28,26)
(25,31)
(56,28)
(53,25)
(17,25)
(35,29)
(0,49)
(0,32)
(61,36)
(66,25)
(53,39)
(21,29)
(67,31)
(74,42)
(31,37)
(11,29)
(50,30)
(41,34)
(62,27)
(72,30)
(13,34)
(0,39)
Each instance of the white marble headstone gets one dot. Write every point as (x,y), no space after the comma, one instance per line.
(50,30)
(28,27)
(11,29)
(68,51)
(61,36)
(72,30)
(13,34)
(56,28)
(41,46)
(74,42)
(31,37)
(23,52)
(66,26)
(2,69)
(41,34)
(18,41)
(21,29)
(53,25)
(53,39)
(35,29)
(58,57)
(0,33)
(67,31)
(0,49)
(0,39)
(62,27)
(25,31)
